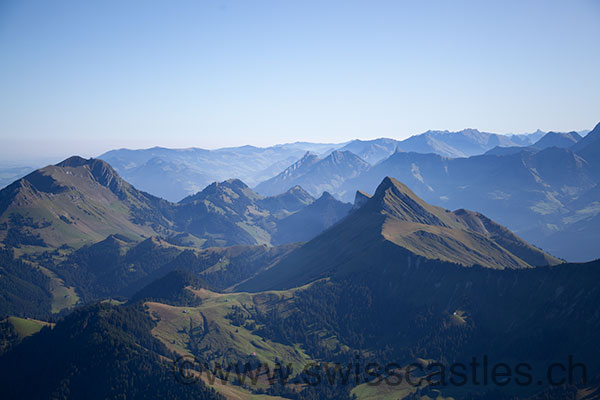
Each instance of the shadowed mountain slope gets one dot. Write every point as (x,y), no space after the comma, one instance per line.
(311,220)
(397,227)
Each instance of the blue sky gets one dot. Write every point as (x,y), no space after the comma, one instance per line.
(82,77)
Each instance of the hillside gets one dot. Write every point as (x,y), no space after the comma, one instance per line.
(589,149)
(397,228)
(98,352)
(75,202)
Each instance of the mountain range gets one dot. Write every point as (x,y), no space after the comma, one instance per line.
(538,190)
(173,174)
(107,291)
(395,280)
(81,201)
(394,220)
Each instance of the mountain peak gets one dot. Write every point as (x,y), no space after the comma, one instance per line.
(557,139)
(219,186)
(73,161)
(360,198)
(326,196)
(394,184)
(225,188)
(395,200)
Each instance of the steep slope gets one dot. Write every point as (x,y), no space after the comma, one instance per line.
(589,149)
(311,220)
(25,291)
(172,289)
(75,202)
(360,198)
(317,175)
(396,221)
(592,137)
(10,174)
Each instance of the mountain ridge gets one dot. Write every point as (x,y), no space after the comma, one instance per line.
(395,221)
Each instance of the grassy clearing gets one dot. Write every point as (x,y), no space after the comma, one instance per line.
(224,342)
(382,391)
(27,326)
(63,296)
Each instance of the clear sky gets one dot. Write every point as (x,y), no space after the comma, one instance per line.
(82,77)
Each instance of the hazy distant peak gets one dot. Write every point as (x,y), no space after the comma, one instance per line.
(557,139)
(326,196)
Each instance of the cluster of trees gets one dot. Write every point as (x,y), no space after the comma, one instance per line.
(97,352)
(24,288)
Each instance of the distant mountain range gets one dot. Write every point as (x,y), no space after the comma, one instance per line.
(81,201)
(173,174)
(537,190)
(176,173)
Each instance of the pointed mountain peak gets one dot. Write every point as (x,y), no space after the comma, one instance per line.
(360,198)
(296,189)
(299,193)
(394,184)
(54,179)
(326,196)
(395,200)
